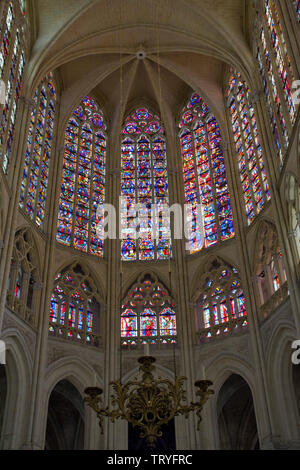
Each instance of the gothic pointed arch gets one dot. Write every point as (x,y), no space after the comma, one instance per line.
(277,74)
(39,151)
(144,182)
(24,278)
(14,36)
(219,298)
(148,313)
(270,276)
(83,179)
(207,195)
(236,416)
(248,148)
(75,306)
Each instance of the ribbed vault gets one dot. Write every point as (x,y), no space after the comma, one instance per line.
(88,41)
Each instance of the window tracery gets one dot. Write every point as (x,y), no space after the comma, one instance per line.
(144,181)
(220,301)
(148,313)
(40,147)
(13,37)
(206,189)
(270,271)
(277,76)
(75,307)
(83,179)
(247,145)
(24,282)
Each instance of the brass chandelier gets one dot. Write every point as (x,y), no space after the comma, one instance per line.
(148,403)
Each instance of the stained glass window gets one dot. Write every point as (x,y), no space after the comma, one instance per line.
(270,271)
(23,7)
(148,313)
(277,76)
(221,305)
(24,277)
(38,152)
(297,6)
(247,145)
(12,63)
(74,307)
(205,183)
(83,180)
(144,181)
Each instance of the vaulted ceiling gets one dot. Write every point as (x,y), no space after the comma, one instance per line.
(130,51)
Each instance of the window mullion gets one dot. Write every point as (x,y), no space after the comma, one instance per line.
(41,157)
(80,130)
(212,179)
(279,85)
(34,135)
(246,156)
(281,138)
(255,146)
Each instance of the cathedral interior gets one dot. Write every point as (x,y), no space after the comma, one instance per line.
(185,104)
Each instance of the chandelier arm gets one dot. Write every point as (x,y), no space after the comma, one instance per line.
(149,403)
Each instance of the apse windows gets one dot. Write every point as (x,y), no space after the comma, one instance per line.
(148,313)
(40,146)
(75,307)
(144,182)
(220,302)
(277,76)
(247,146)
(205,183)
(24,281)
(270,272)
(83,179)
(13,36)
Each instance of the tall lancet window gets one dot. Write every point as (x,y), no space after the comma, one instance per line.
(248,149)
(144,182)
(83,180)
(205,183)
(39,150)
(13,36)
(277,76)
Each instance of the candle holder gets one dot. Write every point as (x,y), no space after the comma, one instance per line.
(148,403)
